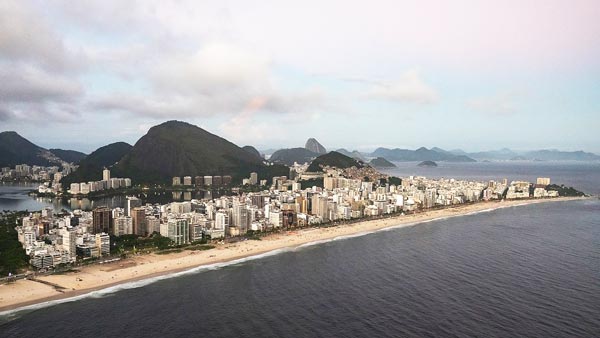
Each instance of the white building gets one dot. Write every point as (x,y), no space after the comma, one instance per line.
(176,229)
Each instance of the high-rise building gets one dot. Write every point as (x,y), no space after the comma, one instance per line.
(132,202)
(106,175)
(177,229)
(543,181)
(259,200)
(240,216)
(330,183)
(275,218)
(74,188)
(122,225)
(152,224)
(253,178)
(187,180)
(101,219)
(69,239)
(176,180)
(103,244)
(199,181)
(288,218)
(138,217)
(221,220)
(320,207)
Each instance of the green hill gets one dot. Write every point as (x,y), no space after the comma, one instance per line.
(291,155)
(421,154)
(253,151)
(427,164)
(314,146)
(177,148)
(381,162)
(90,168)
(333,159)
(354,154)
(70,156)
(15,149)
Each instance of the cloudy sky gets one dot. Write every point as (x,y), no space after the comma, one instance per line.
(356,74)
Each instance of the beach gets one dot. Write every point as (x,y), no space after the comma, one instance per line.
(147,266)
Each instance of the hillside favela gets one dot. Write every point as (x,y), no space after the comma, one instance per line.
(323,169)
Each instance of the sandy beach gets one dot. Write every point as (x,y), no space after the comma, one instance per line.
(100,276)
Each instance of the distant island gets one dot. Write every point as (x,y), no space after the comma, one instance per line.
(381,162)
(427,164)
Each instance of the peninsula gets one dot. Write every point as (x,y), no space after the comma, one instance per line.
(78,282)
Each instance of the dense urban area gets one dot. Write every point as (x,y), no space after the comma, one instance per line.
(52,238)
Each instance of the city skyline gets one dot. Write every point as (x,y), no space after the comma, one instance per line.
(393,74)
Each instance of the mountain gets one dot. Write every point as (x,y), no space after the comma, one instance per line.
(421,154)
(542,155)
(90,168)
(381,162)
(70,156)
(333,159)
(314,146)
(15,149)
(502,154)
(354,154)
(177,148)
(427,164)
(291,155)
(268,151)
(251,150)
(556,155)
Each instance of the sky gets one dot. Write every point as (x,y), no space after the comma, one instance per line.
(468,74)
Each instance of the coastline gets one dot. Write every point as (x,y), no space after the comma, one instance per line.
(145,269)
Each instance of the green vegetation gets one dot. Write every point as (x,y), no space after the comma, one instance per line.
(120,244)
(162,245)
(199,247)
(12,254)
(252,234)
(427,164)
(251,150)
(565,191)
(333,159)
(394,180)
(14,149)
(354,154)
(305,184)
(291,155)
(177,148)
(169,251)
(70,156)
(252,188)
(90,168)
(381,162)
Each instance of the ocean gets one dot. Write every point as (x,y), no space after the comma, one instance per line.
(528,271)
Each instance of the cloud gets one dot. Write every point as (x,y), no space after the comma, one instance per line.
(246,129)
(37,72)
(409,88)
(503,103)
(28,83)
(218,79)
(25,36)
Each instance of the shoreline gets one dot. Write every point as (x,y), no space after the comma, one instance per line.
(145,269)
